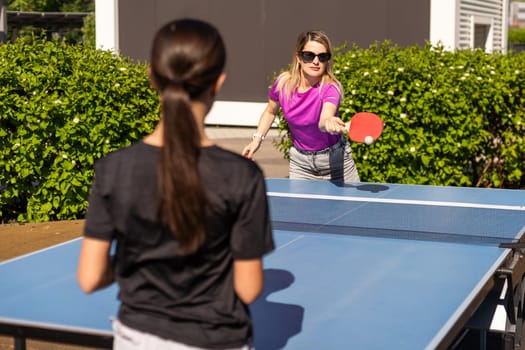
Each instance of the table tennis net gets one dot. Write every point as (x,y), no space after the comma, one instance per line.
(461,224)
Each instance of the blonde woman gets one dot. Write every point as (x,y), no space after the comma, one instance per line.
(309,95)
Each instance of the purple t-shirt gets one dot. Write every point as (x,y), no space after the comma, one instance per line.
(302,112)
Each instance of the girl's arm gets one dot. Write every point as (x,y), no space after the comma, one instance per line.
(265,122)
(248,279)
(95,270)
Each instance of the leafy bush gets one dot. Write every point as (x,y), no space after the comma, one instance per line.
(451,118)
(61,108)
(516,35)
(88,31)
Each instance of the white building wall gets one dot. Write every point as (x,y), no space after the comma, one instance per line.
(466,24)
(106,27)
(443,23)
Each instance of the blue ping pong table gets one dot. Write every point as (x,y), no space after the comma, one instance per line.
(356,266)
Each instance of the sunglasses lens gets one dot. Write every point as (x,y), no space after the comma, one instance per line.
(308,56)
(324,57)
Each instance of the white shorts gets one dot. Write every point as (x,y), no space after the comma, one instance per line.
(126,338)
(334,163)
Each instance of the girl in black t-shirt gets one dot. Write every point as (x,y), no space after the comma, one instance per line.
(190,220)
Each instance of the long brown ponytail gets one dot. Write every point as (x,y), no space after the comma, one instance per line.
(187,58)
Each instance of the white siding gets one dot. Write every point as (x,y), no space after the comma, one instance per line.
(465,24)
(474,16)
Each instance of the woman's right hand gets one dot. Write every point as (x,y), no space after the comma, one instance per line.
(265,122)
(251,148)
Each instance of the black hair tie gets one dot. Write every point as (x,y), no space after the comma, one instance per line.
(177,81)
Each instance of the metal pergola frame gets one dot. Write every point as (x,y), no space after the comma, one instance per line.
(50,21)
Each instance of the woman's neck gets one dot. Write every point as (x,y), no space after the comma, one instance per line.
(307,82)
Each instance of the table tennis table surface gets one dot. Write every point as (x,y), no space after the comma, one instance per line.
(360,266)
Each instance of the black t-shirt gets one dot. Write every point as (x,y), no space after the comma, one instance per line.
(189,299)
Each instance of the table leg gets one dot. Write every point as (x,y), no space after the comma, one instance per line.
(20,343)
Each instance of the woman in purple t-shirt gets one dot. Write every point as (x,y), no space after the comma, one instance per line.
(309,95)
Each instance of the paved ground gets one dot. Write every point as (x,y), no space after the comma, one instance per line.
(17,239)
(268,157)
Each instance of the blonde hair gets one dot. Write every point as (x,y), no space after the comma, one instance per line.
(289,80)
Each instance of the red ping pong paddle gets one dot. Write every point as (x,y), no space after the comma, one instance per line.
(365,127)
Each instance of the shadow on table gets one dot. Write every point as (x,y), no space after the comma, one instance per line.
(374,188)
(275,323)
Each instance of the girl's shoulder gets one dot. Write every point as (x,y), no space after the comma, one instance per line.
(228,170)
(230,162)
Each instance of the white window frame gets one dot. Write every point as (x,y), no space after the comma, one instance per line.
(483,20)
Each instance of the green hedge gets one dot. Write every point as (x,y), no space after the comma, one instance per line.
(452,118)
(516,35)
(61,108)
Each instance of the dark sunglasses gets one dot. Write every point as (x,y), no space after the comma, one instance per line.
(308,56)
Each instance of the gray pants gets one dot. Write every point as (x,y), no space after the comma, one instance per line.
(126,338)
(335,163)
